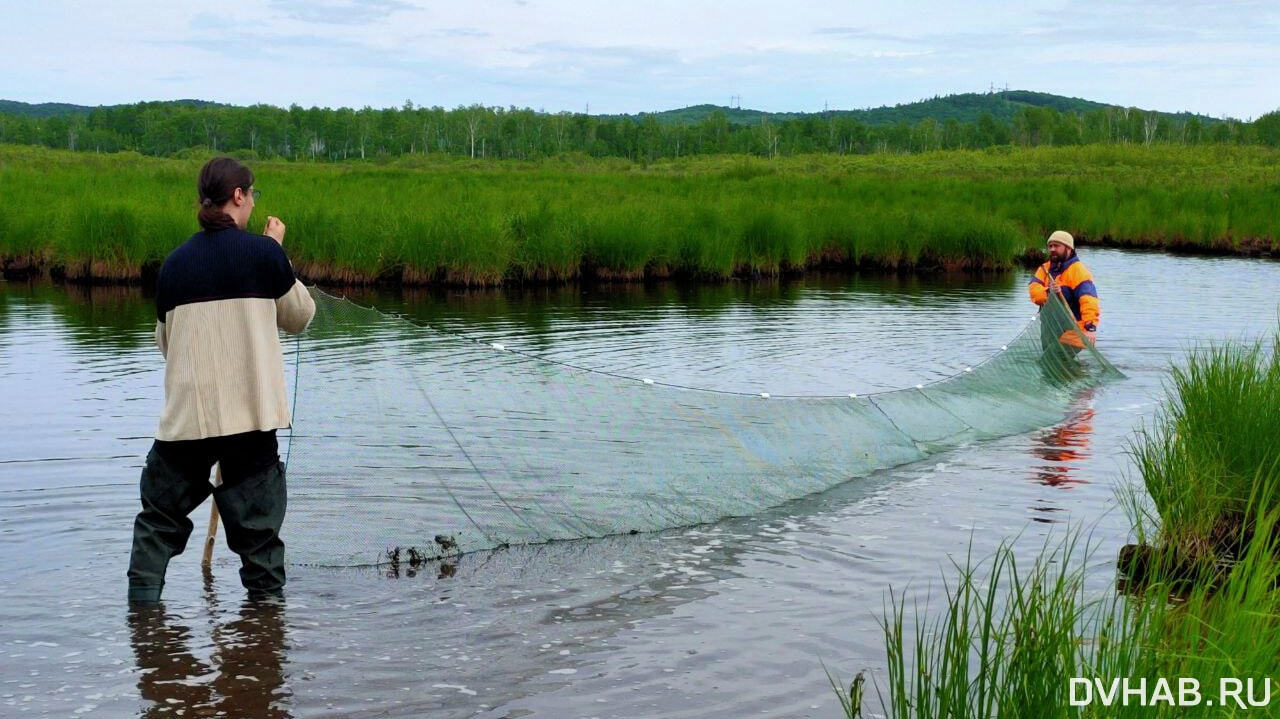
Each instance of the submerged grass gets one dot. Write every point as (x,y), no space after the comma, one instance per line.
(1008,638)
(419,220)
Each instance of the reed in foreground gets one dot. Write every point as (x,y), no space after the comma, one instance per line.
(1210,460)
(1052,638)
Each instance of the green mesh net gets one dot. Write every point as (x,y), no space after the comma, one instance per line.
(412,442)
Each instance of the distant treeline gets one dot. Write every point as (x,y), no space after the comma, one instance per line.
(264,131)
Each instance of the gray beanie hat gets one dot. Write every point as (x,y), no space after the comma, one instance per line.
(1063,237)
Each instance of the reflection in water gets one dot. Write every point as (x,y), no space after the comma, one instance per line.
(102,318)
(123,317)
(1063,450)
(667,624)
(243,677)
(169,674)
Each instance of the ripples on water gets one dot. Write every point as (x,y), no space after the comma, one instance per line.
(716,620)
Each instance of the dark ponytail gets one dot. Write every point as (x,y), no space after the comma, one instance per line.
(218,181)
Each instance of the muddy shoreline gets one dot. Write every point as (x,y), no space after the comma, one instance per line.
(97,272)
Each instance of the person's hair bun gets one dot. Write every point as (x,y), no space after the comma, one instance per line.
(218,181)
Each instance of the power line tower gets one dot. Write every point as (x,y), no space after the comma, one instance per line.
(735,101)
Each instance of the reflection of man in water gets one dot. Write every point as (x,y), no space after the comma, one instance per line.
(246,663)
(1062,448)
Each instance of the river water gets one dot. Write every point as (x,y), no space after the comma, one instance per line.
(733,618)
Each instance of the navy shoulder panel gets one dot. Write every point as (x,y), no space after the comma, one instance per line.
(227,264)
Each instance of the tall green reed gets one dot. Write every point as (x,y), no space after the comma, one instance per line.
(420,219)
(1008,638)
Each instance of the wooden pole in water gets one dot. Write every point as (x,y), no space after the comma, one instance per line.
(213,522)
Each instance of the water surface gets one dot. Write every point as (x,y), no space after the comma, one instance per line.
(725,619)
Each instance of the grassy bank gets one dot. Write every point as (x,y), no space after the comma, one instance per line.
(1008,637)
(416,220)
(1211,463)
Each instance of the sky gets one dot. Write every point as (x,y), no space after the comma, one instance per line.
(1215,58)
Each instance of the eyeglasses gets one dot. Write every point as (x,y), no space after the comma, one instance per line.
(256,194)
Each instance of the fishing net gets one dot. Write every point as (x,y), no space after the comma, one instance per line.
(412,442)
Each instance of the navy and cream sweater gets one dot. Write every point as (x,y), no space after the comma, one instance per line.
(219,300)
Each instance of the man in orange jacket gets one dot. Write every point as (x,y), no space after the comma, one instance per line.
(1066,275)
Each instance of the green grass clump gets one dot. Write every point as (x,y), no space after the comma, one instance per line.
(1010,633)
(1007,638)
(420,219)
(1212,452)
(1001,646)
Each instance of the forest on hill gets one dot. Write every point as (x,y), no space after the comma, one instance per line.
(964,121)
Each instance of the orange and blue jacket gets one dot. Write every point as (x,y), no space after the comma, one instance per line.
(1077,288)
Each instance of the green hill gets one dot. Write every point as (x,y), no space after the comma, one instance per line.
(962,107)
(968,120)
(63,109)
(44,109)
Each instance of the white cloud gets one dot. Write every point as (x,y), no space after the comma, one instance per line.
(629,56)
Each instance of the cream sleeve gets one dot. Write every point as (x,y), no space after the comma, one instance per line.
(162,339)
(295,309)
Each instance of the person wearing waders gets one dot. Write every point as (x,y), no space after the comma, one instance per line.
(1067,276)
(220,298)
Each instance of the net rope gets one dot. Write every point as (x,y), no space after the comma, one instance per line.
(412,441)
